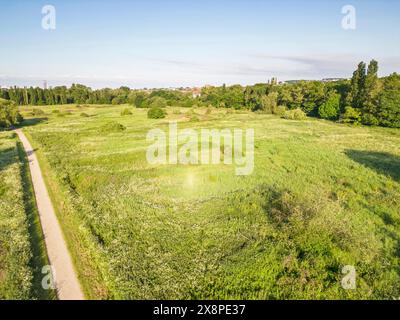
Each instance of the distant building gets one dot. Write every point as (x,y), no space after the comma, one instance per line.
(196,92)
(44,84)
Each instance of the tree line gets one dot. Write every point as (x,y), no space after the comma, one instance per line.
(365,98)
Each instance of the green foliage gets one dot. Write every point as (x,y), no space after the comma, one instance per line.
(9,114)
(331,108)
(140,100)
(364,92)
(84,115)
(356,95)
(280,110)
(369,119)
(126,112)
(194,118)
(351,115)
(320,198)
(156,113)
(157,102)
(22,253)
(296,114)
(372,91)
(112,126)
(376,99)
(37,112)
(389,102)
(269,103)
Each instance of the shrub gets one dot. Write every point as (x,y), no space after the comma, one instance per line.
(112,127)
(158,102)
(268,103)
(140,100)
(280,111)
(9,114)
(296,114)
(351,115)
(55,111)
(330,109)
(194,118)
(85,115)
(126,112)
(389,102)
(118,100)
(37,112)
(369,119)
(156,113)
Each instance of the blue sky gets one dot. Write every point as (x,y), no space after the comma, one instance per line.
(190,43)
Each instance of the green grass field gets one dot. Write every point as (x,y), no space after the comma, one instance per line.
(322,196)
(22,251)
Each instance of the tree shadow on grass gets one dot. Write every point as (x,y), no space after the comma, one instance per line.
(39,257)
(32,122)
(382,162)
(7,158)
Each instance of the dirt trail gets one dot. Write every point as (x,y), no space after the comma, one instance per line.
(67,284)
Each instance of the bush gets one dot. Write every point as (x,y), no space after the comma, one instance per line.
(55,111)
(194,118)
(369,119)
(330,109)
(126,112)
(156,113)
(351,115)
(112,127)
(158,102)
(9,114)
(118,100)
(37,112)
(389,102)
(280,111)
(296,114)
(85,115)
(268,103)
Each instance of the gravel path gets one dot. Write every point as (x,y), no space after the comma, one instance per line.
(66,280)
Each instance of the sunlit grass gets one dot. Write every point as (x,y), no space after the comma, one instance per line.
(322,195)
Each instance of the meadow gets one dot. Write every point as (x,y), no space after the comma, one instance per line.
(322,195)
(22,251)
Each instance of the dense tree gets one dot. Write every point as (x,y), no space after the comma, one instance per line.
(357,87)
(269,102)
(351,115)
(371,94)
(9,114)
(331,108)
(365,98)
(388,113)
(158,102)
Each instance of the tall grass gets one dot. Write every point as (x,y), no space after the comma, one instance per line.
(322,196)
(22,251)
